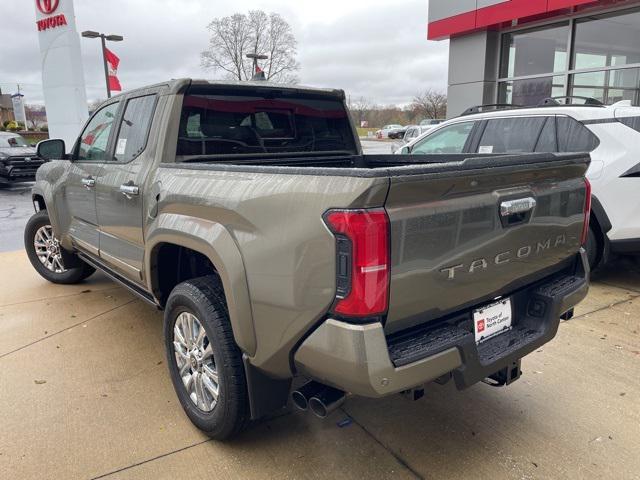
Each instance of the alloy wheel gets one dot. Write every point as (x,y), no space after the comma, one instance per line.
(196,365)
(48,249)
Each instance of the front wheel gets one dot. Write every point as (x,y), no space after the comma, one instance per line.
(45,253)
(204,361)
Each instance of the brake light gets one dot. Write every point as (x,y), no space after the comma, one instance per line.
(362,263)
(587,212)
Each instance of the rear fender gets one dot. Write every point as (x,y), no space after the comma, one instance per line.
(214,241)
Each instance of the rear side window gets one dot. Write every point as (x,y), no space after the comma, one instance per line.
(511,135)
(547,142)
(134,128)
(631,122)
(277,121)
(574,137)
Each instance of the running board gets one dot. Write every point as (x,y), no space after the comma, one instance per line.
(132,287)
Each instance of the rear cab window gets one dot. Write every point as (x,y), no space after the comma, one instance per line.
(218,122)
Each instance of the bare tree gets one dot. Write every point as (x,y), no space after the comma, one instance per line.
(36,116)
(257,32)
(430,104)
(359,108)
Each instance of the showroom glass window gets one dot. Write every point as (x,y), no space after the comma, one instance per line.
(593,56)
(540,53)
(607,46)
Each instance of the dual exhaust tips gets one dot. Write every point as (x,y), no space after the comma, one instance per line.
(320,399)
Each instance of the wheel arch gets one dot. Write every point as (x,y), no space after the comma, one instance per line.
(599,221)
(213,241)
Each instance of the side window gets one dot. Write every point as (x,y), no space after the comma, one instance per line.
(451,139)
(631,122)
(547,143)
(575,137)
(132,137)
(95,137)
(511,135)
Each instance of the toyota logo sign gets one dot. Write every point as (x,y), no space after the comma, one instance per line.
(47,6)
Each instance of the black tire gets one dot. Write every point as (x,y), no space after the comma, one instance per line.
(204,298)
(594,254)
(72,275)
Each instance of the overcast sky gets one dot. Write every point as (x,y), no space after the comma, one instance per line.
(372,48)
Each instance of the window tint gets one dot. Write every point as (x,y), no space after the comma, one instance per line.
(547,143)
(631,122)
(95,137)
(511,135)
(278,122)
(451,139)
(574,137)
(132,137)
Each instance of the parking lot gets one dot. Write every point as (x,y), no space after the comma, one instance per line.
(84,393)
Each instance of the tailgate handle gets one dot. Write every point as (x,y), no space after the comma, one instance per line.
(521,205)
(517,211)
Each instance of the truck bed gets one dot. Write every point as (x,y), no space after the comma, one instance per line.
(371,165)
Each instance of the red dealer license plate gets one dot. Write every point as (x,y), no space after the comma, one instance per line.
(492,320)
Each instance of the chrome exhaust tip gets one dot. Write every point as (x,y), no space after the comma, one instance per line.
(302,395)
(326,401)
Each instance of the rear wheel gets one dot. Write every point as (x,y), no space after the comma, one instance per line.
(45,253)
(594,253)
(204,362)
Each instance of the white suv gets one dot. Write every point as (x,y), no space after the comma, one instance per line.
(610,133)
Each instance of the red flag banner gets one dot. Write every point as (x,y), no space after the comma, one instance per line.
(112,65)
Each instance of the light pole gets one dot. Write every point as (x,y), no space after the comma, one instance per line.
(255,57)
(103,38)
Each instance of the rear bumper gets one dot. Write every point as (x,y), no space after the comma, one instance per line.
(360,359)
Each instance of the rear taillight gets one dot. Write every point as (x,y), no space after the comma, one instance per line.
(362,261)
(587,212)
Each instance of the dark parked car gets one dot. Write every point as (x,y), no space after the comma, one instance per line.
(18,160)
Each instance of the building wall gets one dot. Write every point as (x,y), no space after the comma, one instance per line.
(6,108)
(607,40)
(473,66)
(454,17)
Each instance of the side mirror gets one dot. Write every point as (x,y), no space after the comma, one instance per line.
(51,149)
(405,150)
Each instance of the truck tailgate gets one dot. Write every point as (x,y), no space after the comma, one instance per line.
(470,231)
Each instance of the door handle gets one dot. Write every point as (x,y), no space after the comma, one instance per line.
(129,190)
(88,182)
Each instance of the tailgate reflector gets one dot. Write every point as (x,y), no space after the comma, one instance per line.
(587,212)
(363,289)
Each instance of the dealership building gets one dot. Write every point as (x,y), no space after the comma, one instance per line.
(523,51)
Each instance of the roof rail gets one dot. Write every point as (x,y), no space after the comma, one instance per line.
(588,101)
(495,106)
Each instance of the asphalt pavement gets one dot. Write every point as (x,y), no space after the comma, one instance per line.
(15,210)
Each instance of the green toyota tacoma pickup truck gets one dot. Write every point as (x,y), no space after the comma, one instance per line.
(248,213)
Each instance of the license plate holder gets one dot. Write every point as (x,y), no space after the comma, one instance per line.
(492,319)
